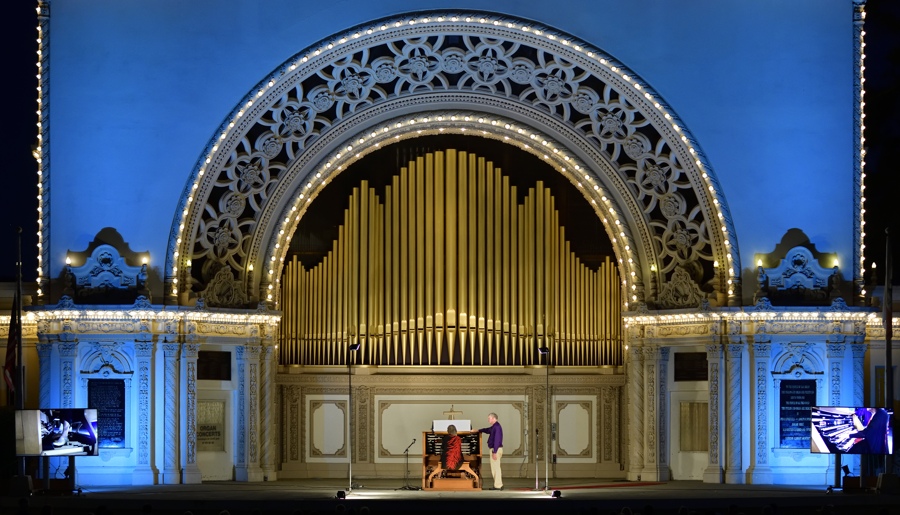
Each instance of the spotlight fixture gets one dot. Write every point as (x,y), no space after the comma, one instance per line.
(846,469)
(556,494)
(341,495)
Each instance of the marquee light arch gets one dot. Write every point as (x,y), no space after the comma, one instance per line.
(425,73)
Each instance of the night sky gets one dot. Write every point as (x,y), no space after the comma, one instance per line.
(19,177)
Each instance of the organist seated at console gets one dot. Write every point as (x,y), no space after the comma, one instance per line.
(451,460)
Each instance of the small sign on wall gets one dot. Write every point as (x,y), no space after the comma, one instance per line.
(211,426)
(795,412)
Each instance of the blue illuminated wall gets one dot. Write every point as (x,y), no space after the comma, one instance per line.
(138,89)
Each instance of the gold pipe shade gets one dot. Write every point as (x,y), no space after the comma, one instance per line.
(451,270)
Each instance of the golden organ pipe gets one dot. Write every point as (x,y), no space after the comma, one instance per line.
(462,196)
(476,259)
(429,258)
(420,259)
(440,253)
(395,265)
(451,268)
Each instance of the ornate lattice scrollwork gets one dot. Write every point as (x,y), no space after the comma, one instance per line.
(321,99)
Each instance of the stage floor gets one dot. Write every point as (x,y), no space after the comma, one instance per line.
(387,496)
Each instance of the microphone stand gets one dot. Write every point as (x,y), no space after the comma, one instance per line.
(406,485)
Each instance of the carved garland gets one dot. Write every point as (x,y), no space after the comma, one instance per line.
(264,154)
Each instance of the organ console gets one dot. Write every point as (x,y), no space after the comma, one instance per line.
(832,430)
(466,477)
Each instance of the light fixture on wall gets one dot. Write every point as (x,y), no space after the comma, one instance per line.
(353,347)
(545,352)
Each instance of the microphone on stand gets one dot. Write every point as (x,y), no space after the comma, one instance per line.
(410,444)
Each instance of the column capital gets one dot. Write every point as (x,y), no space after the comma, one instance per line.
(171,350)
(190,350)
(143,349)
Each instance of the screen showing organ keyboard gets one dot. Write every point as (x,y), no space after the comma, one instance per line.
(845,430)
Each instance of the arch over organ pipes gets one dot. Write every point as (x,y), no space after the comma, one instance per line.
(495,76)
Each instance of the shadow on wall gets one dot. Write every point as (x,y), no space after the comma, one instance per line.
(792,238)
(107,271)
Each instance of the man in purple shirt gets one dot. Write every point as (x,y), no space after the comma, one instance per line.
(495,442)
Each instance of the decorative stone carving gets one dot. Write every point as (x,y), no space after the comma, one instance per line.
(307,103)
(224,291)
(105,278)
(680,291)
(799,280)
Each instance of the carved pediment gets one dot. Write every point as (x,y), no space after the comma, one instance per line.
(798,280)
(106,278)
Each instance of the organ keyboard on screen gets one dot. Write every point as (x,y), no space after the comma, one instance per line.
(832,430)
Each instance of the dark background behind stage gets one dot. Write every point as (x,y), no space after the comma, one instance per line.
(18,170)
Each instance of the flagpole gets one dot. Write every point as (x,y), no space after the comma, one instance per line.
(20,379)
(887,317)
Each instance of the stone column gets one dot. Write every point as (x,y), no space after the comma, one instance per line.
(609,433)
(859,355)
(44,355)
(655,415)
(247,467)
(636,412)
(267,401)
(835,353)
(760,470)
(713,472)
(171,474)
(144,471)
(734,467)
(290,447)
(67,354)
(190,471)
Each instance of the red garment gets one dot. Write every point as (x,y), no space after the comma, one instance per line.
(451,452)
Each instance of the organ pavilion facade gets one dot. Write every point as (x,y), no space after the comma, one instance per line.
(315,230)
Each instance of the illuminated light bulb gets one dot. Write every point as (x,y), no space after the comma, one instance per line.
(68,260)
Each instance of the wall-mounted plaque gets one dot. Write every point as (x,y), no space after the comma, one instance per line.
(795,412)
(107,396)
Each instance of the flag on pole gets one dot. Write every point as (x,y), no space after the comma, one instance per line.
(9,370)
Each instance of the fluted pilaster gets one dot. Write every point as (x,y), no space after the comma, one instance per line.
(67,354)
(190,468)
(859,356)
(713,472)
(835,353)
(636,412)
(44,355)
(267,401)
(760,471)
(144,472)
(734,469)
(247,463)
(171,474)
